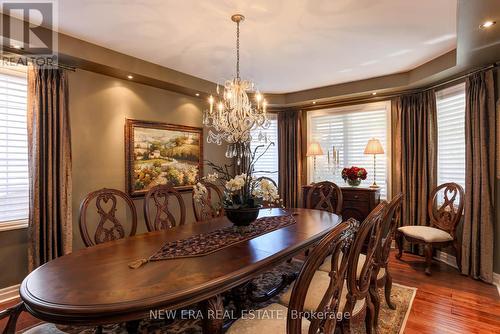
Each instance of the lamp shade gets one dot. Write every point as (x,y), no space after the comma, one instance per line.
(374,147)
(314,149)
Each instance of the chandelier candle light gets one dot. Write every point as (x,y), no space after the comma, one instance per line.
(374,147)
(231,113)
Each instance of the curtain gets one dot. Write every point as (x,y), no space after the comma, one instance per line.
(290,156)
(415,147)
(49,154)
(480,133)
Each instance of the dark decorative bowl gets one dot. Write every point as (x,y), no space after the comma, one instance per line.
(242,217)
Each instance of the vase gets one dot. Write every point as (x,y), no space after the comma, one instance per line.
(242,216)
(354,183)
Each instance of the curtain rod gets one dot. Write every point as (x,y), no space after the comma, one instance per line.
(463,76)
(383,97)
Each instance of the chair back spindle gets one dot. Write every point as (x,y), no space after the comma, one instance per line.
(210,206)
(109,226)
(156,208)
(325,196)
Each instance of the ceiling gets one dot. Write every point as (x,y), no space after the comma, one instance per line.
(287,45)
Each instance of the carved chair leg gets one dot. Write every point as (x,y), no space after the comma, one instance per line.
(370,315)
(399,242)
(376,302)
(428,258)
(213,309)
(346,322)
(13,314)
(387,289)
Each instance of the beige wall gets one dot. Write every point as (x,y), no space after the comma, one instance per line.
(99,105)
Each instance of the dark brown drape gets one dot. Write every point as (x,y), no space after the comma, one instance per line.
(290,157)
(415,147)
(49,149)
(480,137)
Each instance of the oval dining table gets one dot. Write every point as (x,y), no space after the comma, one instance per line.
(95,285)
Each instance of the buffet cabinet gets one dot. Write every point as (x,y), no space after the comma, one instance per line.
(357,203)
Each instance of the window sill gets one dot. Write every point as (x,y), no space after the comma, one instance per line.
(13,225)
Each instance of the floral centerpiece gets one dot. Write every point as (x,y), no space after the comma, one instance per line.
(244,194)
(354,175)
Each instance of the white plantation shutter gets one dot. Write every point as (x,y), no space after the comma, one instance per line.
(14,196)
(269,161)
(349,129)
(451,134)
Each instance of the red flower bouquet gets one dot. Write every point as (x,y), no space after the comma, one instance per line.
(354,175)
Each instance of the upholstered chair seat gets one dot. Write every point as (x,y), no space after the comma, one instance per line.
(328,261)
(316,291)
(426,233)
(270,319)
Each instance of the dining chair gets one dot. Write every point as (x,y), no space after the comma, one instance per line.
(445,208)
(204,208)
(355,297)
(109,226)
(340,239)
(383,277)
(156,208)
(325,196)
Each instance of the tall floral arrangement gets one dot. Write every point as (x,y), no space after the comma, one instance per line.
(242,190)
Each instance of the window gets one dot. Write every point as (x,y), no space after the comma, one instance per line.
(348,129)
(269,161)
(451,135)
(14,195)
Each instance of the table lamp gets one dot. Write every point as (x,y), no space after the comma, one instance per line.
(314,150)
(374,147)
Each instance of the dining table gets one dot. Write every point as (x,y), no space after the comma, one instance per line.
(96,285)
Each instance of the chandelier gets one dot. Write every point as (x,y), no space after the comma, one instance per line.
(232,114)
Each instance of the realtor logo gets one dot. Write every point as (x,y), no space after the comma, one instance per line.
(30,26)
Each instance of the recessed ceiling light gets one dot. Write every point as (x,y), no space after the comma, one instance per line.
(487,24)
(314,102)
(374,93)
(130,77)
(197,94)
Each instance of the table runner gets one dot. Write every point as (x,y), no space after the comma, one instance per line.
(204,244)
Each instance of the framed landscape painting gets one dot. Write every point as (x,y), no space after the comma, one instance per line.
(159,153)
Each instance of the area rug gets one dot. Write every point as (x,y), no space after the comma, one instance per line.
(390,321)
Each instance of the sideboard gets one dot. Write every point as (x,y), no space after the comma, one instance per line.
(358,202)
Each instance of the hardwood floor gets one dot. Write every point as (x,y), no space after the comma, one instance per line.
(446,302)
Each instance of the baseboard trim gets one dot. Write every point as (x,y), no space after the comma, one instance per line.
(496,281)
(452,261)
(446,258)
(9,293)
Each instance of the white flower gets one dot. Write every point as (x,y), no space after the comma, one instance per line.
(212,177)
(199,192)
(267,191)
(236,183)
